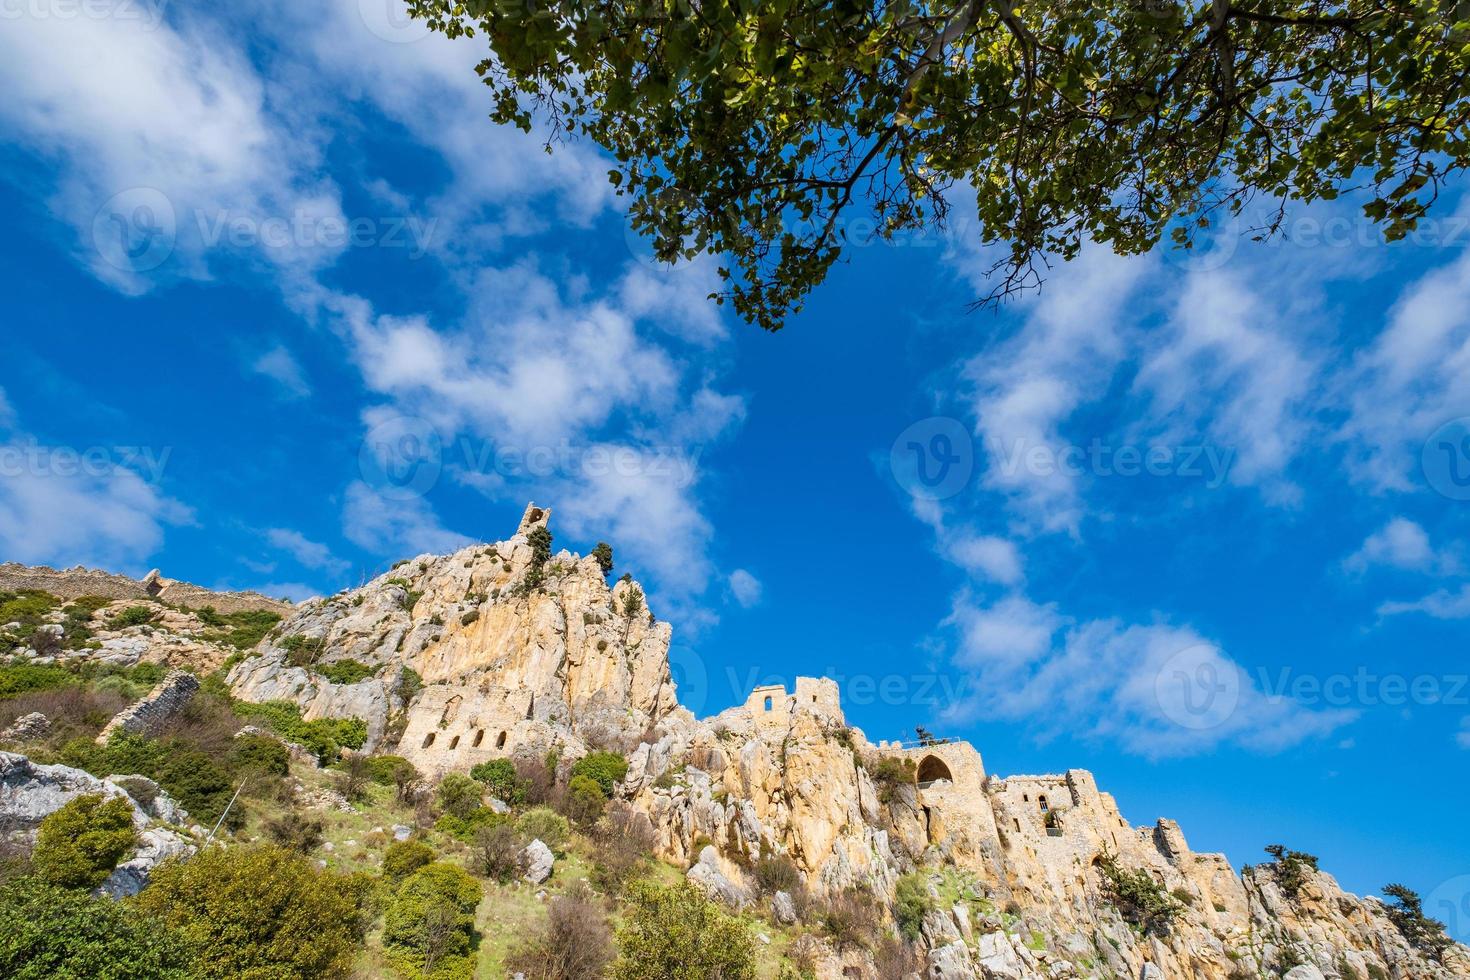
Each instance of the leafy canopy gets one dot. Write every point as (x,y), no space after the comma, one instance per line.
(768,133)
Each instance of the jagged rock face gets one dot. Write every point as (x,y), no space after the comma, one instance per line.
(506,669)
(514,670)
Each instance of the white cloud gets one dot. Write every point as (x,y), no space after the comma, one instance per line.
(1401,544)
(746,588)
(1410,380)
(167,143)
(56,513)
(1226,369)
(280,366)
(1154,689)
(1441,604)
(994,558)
(308,553)
(395,528)
(1026,387)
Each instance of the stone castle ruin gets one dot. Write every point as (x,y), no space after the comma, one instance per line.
(500,651)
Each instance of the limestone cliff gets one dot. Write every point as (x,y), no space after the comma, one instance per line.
(504,649)
(472,662)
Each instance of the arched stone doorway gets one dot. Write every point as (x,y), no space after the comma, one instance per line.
(933,769)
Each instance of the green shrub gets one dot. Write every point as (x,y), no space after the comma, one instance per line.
(387,770)
(302,651)
(465,827)
(259,911)
(347,671)
(500,779)
(27,606)
(1406,912)
(604,768)
(428,926)
(404,857)
(409,684)
(325,738)
(546,825)
(891,774)
(241,630)
(585,800)
(911,903)
(262,754)
(192,777)
(79,844)
(134,616)
(52,933)
(458,794)
(676,932)
(1291,868)
(1138,895)
(604,555)
(23,678)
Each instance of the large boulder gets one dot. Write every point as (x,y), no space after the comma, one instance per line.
(538,859)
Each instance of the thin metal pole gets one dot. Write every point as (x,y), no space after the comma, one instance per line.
(227,810)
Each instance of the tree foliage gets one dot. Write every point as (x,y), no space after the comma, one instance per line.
(500,779)
(676,933)
(755,131)
(52,933)
(1139,895)
(604,768)
(429,923)
(258,912)
(1406,912)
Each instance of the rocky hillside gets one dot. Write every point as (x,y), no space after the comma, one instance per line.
(778,808)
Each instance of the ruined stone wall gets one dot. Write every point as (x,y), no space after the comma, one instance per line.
(150,714)
(73,583)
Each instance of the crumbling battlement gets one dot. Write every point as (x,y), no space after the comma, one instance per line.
(73,583)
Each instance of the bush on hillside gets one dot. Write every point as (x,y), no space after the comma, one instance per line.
(500,779)
(429,923)
(911,903)
(605,768)
(53,933)
(584,800)
(79,844)
(546,825)
(404,857)
(346,671)
(459,795)
(677,932)
(260,911)
(573,944)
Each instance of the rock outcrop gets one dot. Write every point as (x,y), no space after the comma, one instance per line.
(506,650)
(500,667)
(30,792)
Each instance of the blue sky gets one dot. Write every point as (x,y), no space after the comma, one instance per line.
(283,307)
